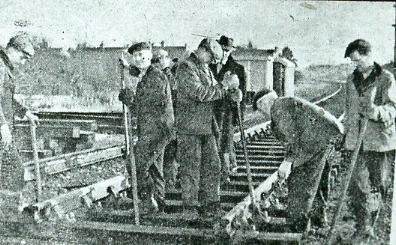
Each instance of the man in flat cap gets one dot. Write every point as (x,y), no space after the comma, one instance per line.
(226,110)
(19,49)
(370,94)
(197,128)
(152,105)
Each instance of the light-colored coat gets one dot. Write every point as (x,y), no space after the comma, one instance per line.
(196,96)
(380,135)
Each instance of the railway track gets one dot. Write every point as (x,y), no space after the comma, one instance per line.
(99,209)
(189,229)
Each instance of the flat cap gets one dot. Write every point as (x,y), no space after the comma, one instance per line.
(362,46)
(212,46)
(139,47)
(23,43)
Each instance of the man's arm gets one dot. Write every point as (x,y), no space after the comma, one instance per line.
(387,111)
(19,109)
(2,76)
(189,84)
(242,83)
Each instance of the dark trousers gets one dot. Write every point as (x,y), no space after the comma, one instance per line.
(11,170)
(13,189)
(370,179)
(170,164)
(226,142)
(199,169)
(149,168)
(302,190)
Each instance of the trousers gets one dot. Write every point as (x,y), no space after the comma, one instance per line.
(170,164)
(199,169)
(11,170)
(371,176)
(13,189)
(302,189)
(149,168)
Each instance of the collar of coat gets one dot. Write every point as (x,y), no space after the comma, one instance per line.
(362,84)
(136,72)
(230,61)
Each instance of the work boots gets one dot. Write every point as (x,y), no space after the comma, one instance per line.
(320,218)
(364,230)
(211,211)
(362,237)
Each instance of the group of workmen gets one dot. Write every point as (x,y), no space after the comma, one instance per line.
(185,124)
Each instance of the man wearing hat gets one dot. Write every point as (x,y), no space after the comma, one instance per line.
(19,49)
(226,110)
(196,128)
(152,105)
(370,94)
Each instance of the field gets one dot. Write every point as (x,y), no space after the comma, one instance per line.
(88,78)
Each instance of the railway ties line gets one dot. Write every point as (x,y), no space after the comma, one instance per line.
(100,196)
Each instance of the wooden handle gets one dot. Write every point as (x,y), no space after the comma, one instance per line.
(347,180)
(36,162)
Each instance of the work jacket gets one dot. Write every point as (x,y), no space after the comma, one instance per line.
(380,89)
(197,90)
(9,106)
(152,105)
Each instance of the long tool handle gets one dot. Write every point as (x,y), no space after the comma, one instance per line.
(347,180)
(393,225)
(245,152)
(36,162)
(129,153)
(125,114)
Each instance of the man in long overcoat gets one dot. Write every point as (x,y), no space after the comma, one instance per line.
(226,110)
(197,128)
(18,50)
(152,105)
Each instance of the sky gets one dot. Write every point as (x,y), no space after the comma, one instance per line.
(316,31)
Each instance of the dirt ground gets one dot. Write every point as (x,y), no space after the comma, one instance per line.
(345,227)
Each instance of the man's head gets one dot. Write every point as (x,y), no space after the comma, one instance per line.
(359,51)
(227,44)
(162,58)
(20,48)
(263,101)
(141,54)
(209,51)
